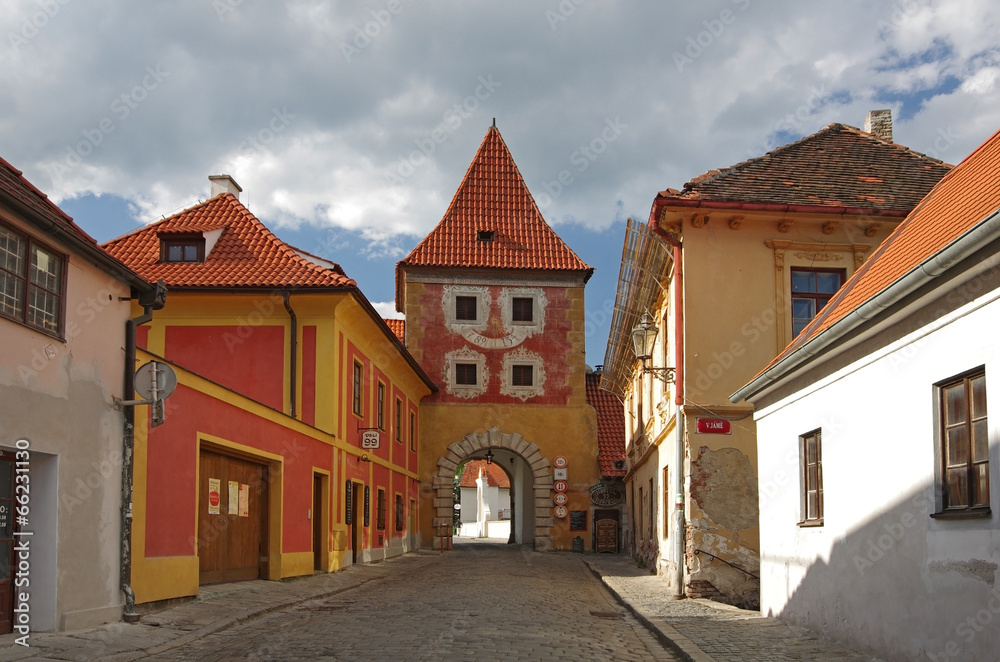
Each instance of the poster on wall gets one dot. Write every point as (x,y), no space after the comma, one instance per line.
(244,510)
(213,496)
(233,507)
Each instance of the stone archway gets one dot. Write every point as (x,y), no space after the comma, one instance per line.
(460,451)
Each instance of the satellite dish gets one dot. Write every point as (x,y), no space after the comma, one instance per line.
(157,373)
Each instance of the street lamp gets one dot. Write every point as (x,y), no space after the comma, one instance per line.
(643,340)
(489,456)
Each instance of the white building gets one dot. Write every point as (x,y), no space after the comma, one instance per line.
(485,500)
(877,459)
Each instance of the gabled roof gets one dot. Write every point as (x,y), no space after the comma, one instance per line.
(398,327)
(610,427)
(959,205)
(495,476)
(493,198)
(837,168)
(246,254)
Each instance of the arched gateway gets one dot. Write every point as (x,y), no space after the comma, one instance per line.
(533,493)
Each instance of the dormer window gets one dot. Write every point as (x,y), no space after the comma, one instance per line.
(485,236)
(182,248)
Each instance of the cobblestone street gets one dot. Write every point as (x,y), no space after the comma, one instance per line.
(483,601)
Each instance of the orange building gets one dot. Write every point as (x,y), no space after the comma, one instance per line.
(259,469)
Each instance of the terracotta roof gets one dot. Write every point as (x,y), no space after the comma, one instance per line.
(838,167)
(247,254)
(493,199)
(495,476)
(610,427)
(398,327)
(967,195)
(15,186)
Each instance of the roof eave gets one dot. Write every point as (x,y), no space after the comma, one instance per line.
(662,202)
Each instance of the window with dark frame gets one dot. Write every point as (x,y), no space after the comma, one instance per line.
(811,290)
(522,309)
(466,308)
(522,375)
(964,446)
(380,407)
(399,512)
(485,235)
(413,432)
(811,458)
(465,374)
(182,248)
(399,420)
(356,392)
(380,510)
(31,282)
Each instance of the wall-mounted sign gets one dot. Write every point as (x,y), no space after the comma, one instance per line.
(560,486)
(244,509)
(561,511)
(348,500)
(602,495)
(370,439)
(560,474)
(561,462)
(214,499)
(714,426)
(233,507)
(560,498)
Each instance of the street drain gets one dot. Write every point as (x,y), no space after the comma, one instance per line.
(606,614)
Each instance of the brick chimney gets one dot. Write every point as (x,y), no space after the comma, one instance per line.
(879,123)
(225,184)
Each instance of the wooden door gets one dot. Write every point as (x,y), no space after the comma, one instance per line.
(606,530)
(232,518)
(7,560)
(317,522)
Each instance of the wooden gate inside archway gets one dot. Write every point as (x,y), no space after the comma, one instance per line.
(539,497)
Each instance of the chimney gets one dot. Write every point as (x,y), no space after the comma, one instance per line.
(879,123)
(224,184)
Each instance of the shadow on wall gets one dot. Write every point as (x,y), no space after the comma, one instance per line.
(904,586)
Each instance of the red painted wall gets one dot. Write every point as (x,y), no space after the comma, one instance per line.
(251,362)
(308,379)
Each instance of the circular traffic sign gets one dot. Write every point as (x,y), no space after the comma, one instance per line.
(560,499)
(560,486)
(561,462)
(560,511)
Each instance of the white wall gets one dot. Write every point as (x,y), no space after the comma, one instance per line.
(881,575)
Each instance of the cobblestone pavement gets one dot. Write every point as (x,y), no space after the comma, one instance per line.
(703,630)
(482,601)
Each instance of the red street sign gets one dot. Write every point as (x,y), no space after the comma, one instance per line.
(560,486)
(714,426)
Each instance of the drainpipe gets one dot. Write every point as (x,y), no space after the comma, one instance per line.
(151,301)
(677,285)
(294,349)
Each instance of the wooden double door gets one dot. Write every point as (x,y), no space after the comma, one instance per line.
(232,518)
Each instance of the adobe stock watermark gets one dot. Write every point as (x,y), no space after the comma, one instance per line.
(122,107)
(255,143)
(900,12)
(795,120)
(451,120)
(581,158)
(566,9)
(225,8)
(33,23)
(714,28)
(363,36)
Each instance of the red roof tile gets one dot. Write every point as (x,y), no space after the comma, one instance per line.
(967,195)
(610,427)
(14,185)
(495,476)
(493,198)
(835,168)
(398,327)
(247,254)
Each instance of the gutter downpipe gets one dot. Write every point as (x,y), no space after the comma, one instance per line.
(677,285)
(129,615)
(294,349)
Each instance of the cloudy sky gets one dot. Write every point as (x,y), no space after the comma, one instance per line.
(349,125)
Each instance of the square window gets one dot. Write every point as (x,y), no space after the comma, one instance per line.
(523,309)
(31,282)
(811,469)
(182,249)
(811,290)
(522,375)
(964,475)
(465,308)
(465,374)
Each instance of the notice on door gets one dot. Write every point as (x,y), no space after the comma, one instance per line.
(214,499)
(244,500)
(234,498)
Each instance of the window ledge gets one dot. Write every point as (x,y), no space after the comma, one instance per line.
(810,523)
(964,513)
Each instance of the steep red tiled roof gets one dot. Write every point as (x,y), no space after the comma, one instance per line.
(247,254)
(967,195)
(495,476)
(14,185)
(494,198)
(398,327)
(610,427)
(837,167)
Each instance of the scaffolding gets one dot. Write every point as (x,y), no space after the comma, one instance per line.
(642,279)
